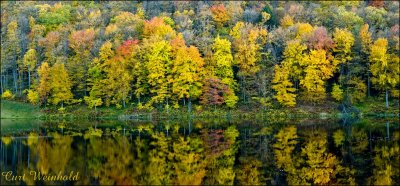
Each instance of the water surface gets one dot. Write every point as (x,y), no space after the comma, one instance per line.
(208,152)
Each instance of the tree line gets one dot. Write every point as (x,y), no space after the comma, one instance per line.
(164,55)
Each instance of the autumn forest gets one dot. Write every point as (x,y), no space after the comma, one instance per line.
(167,55)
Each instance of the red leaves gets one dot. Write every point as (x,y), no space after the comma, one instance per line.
(214,142)
(377,3)
(51,39)
(220,14)
(82,40)
(127,47)
(213,91)
(320,39)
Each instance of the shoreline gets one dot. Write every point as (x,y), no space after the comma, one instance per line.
(13,110)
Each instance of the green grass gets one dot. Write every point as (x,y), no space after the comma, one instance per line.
(376,107)
(12,109)
(19,110)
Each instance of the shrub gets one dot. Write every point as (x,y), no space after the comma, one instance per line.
(7,95)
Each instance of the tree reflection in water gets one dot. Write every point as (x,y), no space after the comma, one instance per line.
(243,154)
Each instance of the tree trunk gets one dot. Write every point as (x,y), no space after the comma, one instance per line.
(189,105)
(387,99)
(167,105)
(29,79)
(15,80)
(243,93)
(387,130)
(2,84)
(21,82)
(368,85)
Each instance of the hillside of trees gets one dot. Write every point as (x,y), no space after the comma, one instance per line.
(160,54)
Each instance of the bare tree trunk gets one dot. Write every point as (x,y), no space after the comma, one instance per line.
(15,80)
(189,105)
(387,130)
(29,79)
(387,99)
(167,105)
(368,85)
(21,82)
(2,84)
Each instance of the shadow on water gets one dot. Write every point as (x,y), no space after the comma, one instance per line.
(274,152)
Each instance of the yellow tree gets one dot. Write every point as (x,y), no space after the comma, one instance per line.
(321,166)
(384,67)
(187,70)
(337,92)
(304,30)
(96,75)
(157,57)
(365,38)
(286,21)
(317,69)
(118,77)
(157,63)
(365,41)
(221,67)
(283,87)
(289,69)
(30,63)
(247,44)
(189,164)
(220,15)
(159,27)
(344,41)
(293,55)
(44,86)
(60,85)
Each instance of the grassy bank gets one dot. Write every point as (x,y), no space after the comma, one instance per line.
(13,109)
(376,107)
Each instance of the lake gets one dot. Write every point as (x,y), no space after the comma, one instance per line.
(208,151)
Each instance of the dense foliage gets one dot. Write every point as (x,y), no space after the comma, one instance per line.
(168,54)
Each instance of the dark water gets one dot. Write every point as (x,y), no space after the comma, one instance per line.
(211,152)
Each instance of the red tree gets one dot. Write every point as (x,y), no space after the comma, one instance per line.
(213,92)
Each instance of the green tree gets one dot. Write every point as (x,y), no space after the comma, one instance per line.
(10,52)
(96,76)
(81,42)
